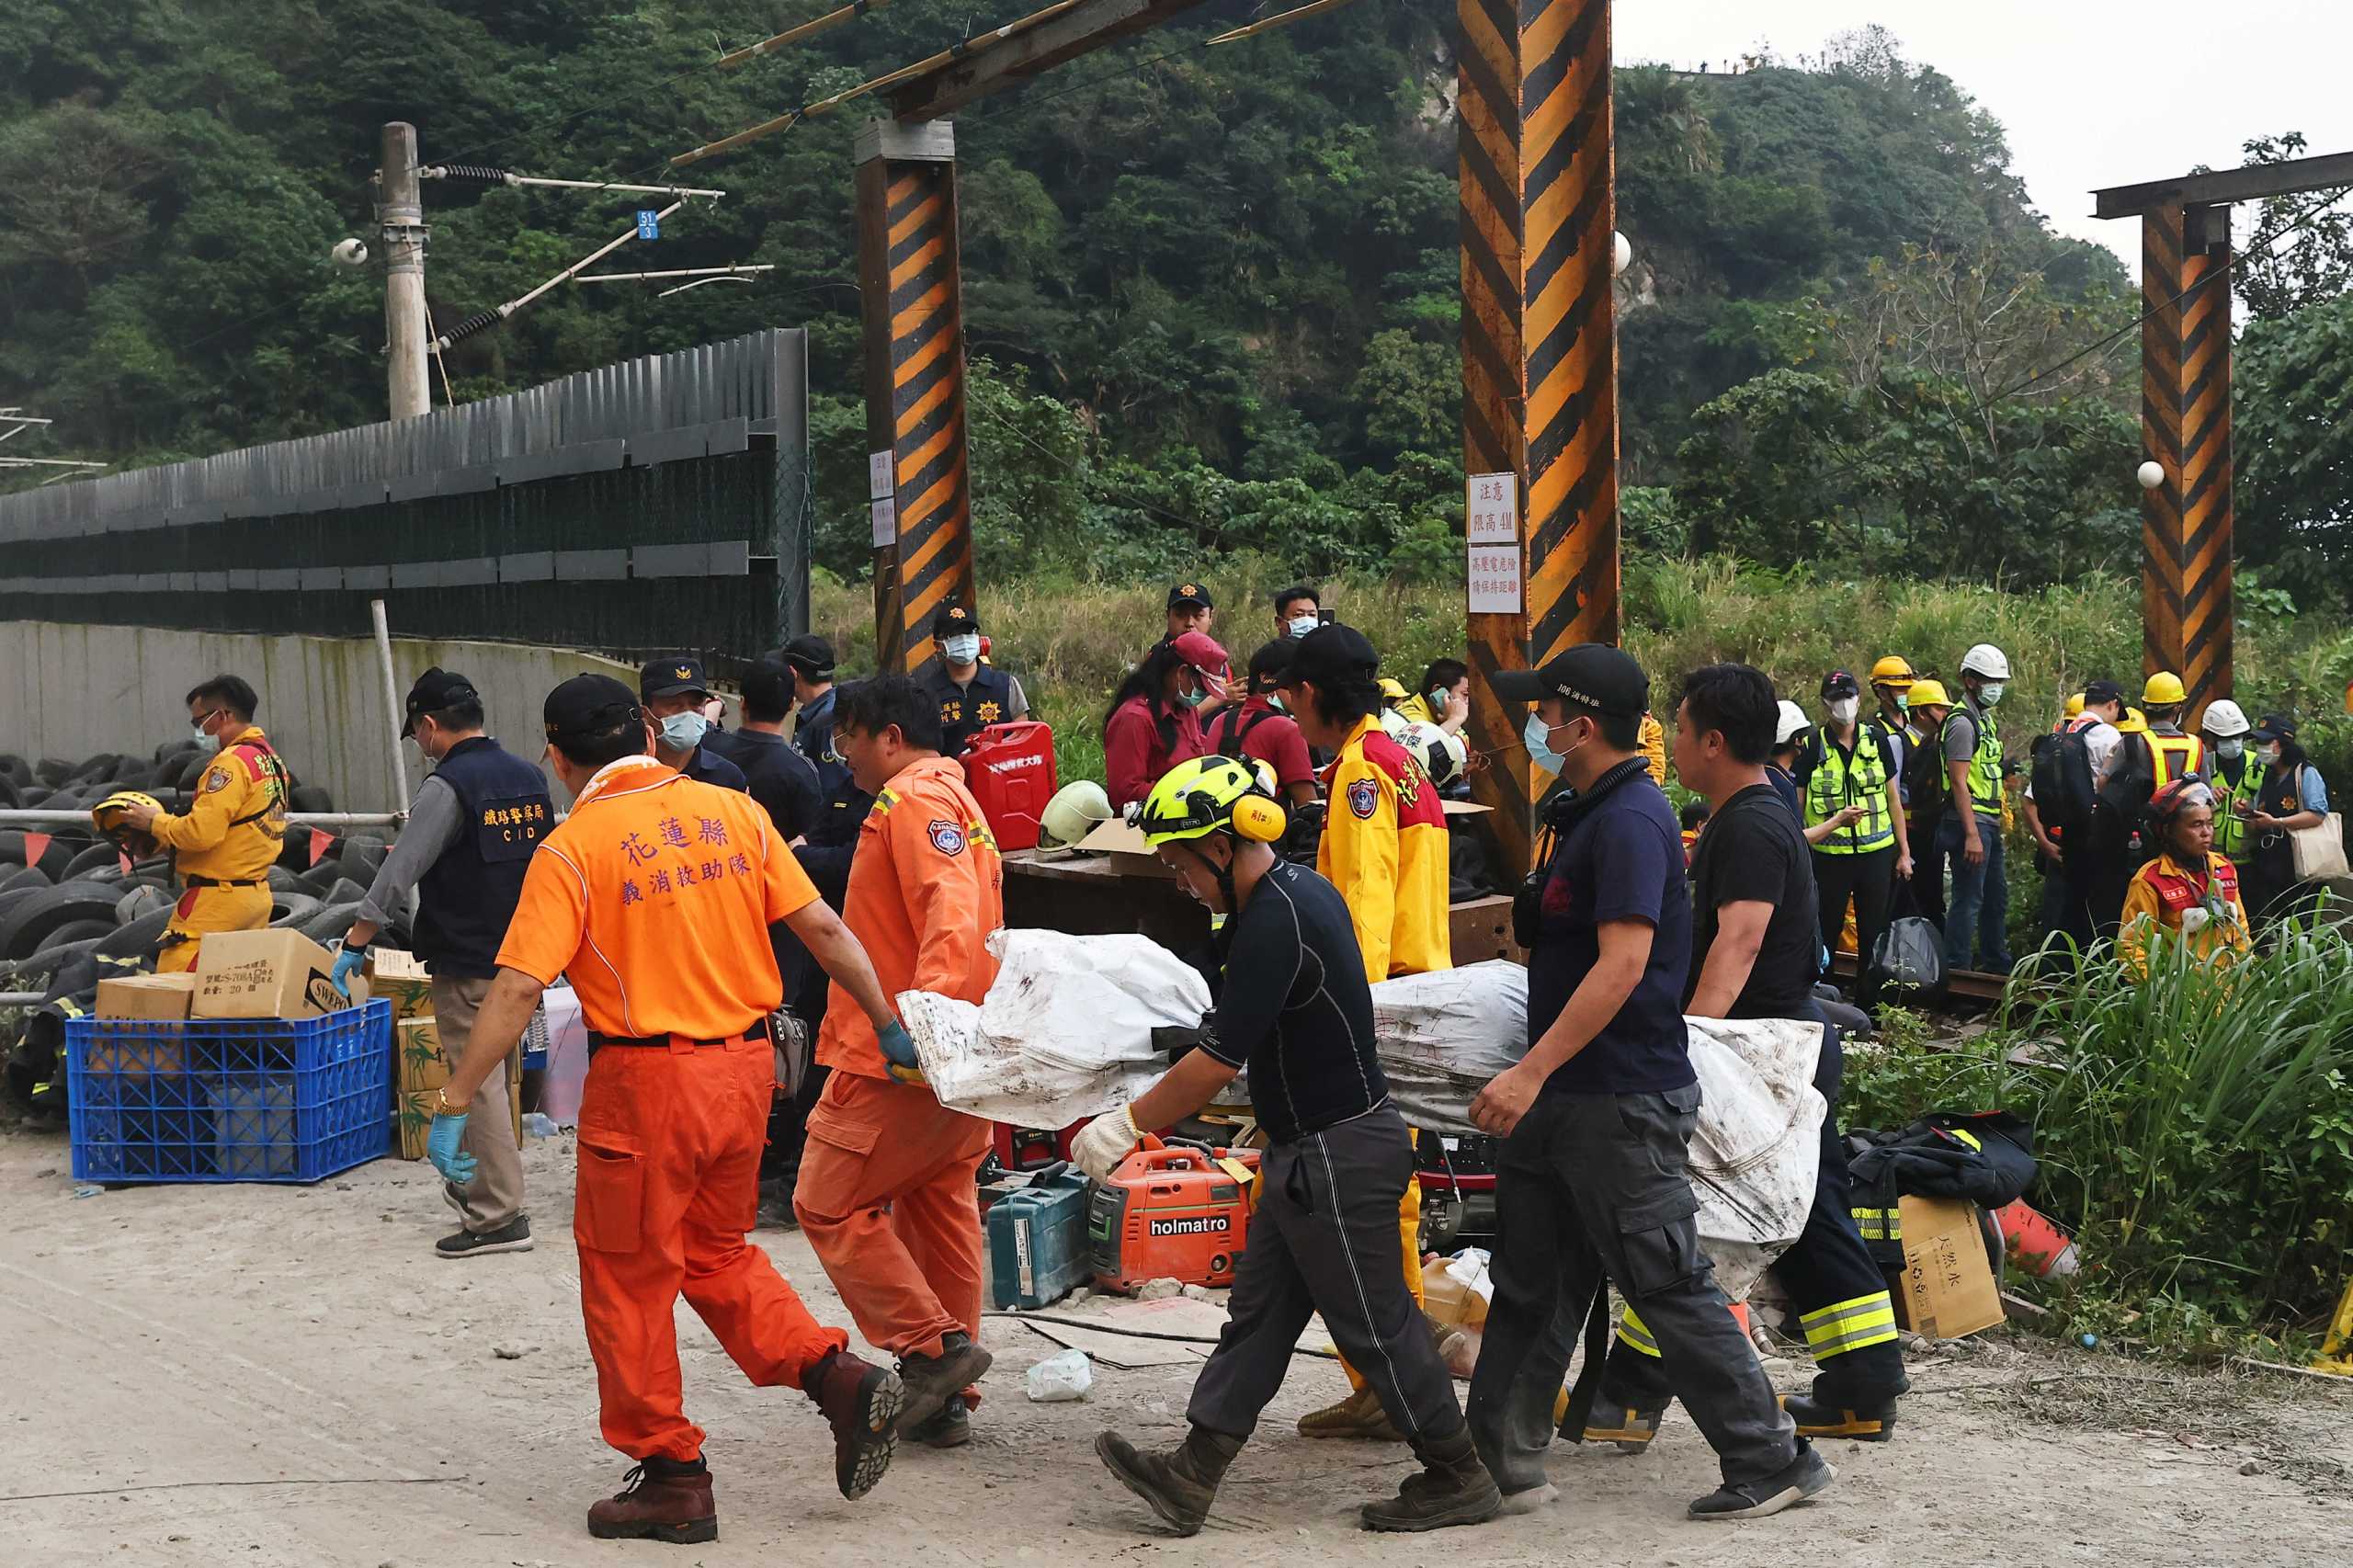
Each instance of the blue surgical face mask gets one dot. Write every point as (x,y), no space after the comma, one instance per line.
(1538,736)
(1194,698)
(1990,694)
(961,649)
(684,732)
(1300,625)
(1275,700)
(207,742)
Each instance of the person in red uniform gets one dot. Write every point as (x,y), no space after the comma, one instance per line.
(654,897)
(1385,849)
(1263,731)
(886,1192)
(1154,721)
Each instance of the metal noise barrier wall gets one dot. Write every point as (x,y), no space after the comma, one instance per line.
(654,506)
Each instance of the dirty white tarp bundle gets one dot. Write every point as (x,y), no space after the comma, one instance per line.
(1065,1033)
(1754,1154)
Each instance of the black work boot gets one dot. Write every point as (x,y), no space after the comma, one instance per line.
(1866,1420)
(661,1500)
(1181,1484)
(1803,1479)
(932,1381)
(1453,1488)
(861,1402)
(952,1428)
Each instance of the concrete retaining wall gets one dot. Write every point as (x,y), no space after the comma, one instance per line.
(73,692)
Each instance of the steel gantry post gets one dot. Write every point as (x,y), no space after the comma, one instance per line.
(1540,358)
(2185,598)
(913,284)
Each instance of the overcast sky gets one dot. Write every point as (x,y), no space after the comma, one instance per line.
(2093,92)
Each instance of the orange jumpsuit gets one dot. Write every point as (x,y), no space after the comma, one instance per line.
(655,897)
(1385,848)
(223,847)
(885,1194)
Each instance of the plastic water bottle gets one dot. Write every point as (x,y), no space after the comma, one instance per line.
(539,1126)
(1065,1376)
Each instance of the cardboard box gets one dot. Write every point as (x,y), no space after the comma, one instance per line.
(266,974)
(421,1067)
(1946,1289)
(400,979)
(152,997)
(420,1063)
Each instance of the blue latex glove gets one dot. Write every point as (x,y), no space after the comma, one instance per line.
(347,964)
(441,1148)
(899,1052)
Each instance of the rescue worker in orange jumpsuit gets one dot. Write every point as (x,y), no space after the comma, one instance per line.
(886,1189)
(225,845)
(1385,849)
(655,896)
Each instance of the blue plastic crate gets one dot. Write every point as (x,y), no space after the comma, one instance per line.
(229,1099)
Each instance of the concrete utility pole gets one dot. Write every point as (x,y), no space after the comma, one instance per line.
(400,209)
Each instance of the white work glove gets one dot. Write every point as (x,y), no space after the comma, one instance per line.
(1103,1143)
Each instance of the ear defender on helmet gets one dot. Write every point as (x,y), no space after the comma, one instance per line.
(1260,820)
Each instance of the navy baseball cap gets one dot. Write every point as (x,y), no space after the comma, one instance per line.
(668,678)
(435,689)
(954,619)
(589,705)
(1190,596)
(1592,675)
(811,654)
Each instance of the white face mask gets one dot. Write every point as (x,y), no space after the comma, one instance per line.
(1843,711)
(2230,750)
(683,731)
(961,649)
(1300,625)
(1990,694)
(2270,755)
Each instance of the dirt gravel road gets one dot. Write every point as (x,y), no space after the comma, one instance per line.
(267,1376)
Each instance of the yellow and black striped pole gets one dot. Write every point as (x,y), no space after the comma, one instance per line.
(913,286)
(1540,350)
(2186,520)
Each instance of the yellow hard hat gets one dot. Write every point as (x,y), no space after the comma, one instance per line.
(108,814)
(1200,797)
(1393,690)
(1894,670)
(2135,722)
(2075,705)
(1929,694)
(2163,690)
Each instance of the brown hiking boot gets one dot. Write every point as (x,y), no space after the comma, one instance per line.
(1359,1416)
(1453,1488)
(862,1402)
(932,1381)
(660,1500)
(1181,1484)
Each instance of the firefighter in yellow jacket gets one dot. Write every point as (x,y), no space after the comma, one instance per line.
(225,845)
(1385,849)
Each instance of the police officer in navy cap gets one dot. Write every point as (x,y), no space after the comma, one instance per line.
(781,779)
(675,694)
(463,850)
(971,695)
(809,659)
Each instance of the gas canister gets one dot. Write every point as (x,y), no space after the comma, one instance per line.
(1010,770)
(1181,1214)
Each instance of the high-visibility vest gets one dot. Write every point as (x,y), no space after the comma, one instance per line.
(1984,763)
(2171,756)
(2230,828)
(1840,779)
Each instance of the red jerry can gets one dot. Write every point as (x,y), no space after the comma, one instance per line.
(1010,770)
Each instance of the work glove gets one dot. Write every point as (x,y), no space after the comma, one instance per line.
(347,964)
(441,1148)
(1103,1143)
(899,1052)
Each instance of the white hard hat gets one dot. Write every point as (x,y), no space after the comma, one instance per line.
(1442,756)
(1791,723)
(1072,814)
(1985,660)
(2223,718)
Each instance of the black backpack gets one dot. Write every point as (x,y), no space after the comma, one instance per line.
(2064,796)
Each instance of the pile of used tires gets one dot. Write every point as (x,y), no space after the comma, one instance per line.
(71,913)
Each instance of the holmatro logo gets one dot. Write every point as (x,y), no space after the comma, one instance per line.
(1204,1225)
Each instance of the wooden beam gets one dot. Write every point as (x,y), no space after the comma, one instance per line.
(1539,351)
(1078,29)
(2186,521)
(2223,188)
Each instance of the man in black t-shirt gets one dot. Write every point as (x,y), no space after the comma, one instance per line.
(1295,1007)
(1752,957)
(1591,1187)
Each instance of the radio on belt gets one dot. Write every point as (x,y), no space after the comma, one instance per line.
(1181,1214)
(1010,770)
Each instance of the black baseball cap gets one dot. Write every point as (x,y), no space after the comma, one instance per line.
(589,705)
(952,619)
(1840,683)
(2097,692)
(1193,595)
(1592,675)
(767,685)
(2276,727)
(435,689)
(811,654)
(1333,655)
(667,677)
